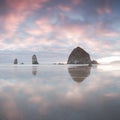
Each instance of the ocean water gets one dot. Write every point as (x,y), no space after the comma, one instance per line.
(59,92)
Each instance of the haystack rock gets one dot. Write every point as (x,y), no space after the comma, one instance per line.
(15,61)
(79,56)
(94,62)
(34,59)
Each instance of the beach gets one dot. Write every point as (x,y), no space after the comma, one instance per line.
(59,92)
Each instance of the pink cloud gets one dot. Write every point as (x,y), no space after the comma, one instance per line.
(104,9)
(25,5)
(65,35)
(76,2)
(12,21)
(102,31)
(74,34)
(19,11)
(44,25)
(34,32)
(65,8)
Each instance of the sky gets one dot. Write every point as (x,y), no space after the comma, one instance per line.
(51,29)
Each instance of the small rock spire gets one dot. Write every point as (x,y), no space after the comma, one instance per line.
(15,61)
(34,59)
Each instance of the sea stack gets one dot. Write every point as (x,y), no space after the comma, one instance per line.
(94,62)
(34,59)
(79,56)
(15,61)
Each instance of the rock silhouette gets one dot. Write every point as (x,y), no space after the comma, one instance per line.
(94,62)
(34,59)
(15,61)
(79,73)
(79,56)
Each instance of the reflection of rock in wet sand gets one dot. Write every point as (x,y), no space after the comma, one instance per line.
(34,70)
(79,73)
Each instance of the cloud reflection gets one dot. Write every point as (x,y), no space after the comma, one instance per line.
(51,95)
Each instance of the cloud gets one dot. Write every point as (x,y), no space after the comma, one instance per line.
(76,2)
(105,8)
(17,12)
(12,22)
(64,8)
(60,26)
(25,5)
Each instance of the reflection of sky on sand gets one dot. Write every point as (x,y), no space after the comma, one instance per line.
(52,94)
(109,67)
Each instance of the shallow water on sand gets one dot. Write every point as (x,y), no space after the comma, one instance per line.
(59,92)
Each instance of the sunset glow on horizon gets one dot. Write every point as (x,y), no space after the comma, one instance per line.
(53,28)
(109,59)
